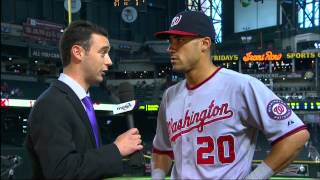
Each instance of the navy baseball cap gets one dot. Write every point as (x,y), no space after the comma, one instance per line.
(189,23)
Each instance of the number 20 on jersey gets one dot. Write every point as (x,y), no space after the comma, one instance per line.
(224,145)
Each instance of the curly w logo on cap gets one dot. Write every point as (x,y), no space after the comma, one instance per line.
(175,20)
(189,23)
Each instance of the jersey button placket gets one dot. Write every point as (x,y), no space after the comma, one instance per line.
(186,144)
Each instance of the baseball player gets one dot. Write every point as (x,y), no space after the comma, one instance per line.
(208,123)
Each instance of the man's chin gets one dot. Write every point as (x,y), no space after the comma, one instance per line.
(97,81)
(176,69)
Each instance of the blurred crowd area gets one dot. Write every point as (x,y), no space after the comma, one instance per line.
(146,90)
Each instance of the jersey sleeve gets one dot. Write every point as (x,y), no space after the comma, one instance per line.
(268,113)
(161,141)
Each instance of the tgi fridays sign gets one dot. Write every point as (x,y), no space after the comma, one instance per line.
(42,30)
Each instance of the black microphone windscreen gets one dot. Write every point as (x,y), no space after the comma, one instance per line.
(126,92)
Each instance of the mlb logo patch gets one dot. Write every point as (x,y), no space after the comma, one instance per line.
(278,110)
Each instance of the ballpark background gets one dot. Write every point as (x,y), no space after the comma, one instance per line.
(276,41)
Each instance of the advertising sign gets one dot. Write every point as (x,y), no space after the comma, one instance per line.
(267,56)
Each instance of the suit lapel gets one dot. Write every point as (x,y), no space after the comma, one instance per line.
(75,101)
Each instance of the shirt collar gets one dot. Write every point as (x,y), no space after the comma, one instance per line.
(75,86)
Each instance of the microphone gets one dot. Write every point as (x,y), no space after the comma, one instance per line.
(126,96)
(126,93)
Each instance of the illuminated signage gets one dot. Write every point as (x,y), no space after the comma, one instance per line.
(149,107)
(268,56)
(44,53)
(29,103)
(304,105)
(42,30)
(301,105)
(277,76)
(118,3)
(152,107)
(225,57)
(17,103)
(5,102)
(303,55)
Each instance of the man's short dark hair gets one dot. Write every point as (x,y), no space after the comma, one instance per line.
(78,32)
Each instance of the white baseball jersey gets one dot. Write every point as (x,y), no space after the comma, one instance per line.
(212,128)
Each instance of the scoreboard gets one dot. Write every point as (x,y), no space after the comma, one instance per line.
(118,3)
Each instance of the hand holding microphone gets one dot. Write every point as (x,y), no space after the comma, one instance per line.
(129,142)
(126,96)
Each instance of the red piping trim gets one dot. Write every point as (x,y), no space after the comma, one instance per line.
(214,73)
(289,133)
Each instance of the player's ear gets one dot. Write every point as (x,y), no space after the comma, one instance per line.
(77,53)
(205,44)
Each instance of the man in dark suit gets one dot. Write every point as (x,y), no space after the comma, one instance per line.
(64,141)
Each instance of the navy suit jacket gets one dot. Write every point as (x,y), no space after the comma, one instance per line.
(61,142)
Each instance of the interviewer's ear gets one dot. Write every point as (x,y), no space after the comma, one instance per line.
(205,44)
(77,52)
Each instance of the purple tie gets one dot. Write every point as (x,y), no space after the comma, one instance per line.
(92,117)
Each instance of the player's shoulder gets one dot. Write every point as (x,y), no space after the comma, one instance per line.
(233,76)
(243,81)
(176,89)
